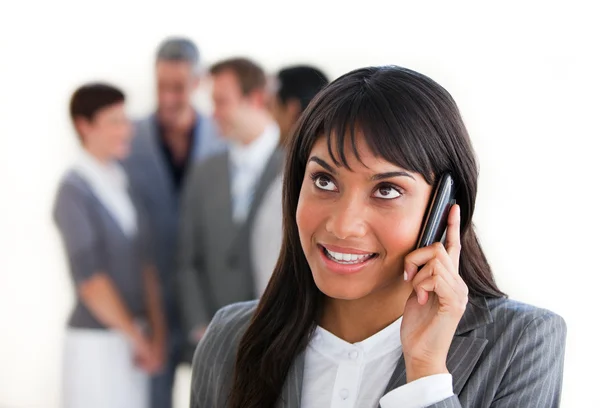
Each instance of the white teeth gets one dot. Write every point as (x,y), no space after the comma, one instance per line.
(347,258)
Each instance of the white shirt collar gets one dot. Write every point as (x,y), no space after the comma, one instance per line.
(255,154)
(383,342)
(109,184)
(100,172)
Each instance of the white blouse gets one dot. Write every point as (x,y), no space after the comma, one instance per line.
(338,374)
(109,183)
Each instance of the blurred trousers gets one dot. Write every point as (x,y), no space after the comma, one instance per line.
(99,371)
(161,389)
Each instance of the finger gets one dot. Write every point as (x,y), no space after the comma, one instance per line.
(436,267)
(444,265)
(449,298)
(431,268)
(453,235)
(419,257)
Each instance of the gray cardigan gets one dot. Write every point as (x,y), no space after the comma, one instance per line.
(94,242)
(504,354)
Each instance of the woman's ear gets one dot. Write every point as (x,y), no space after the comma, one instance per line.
(258,98)
(82,126)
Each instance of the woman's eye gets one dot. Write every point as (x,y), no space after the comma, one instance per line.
(387,192)
(324,183)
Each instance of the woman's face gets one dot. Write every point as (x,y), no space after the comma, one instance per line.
(356,226)
(108,134)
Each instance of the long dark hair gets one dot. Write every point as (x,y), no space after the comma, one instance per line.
(407,119)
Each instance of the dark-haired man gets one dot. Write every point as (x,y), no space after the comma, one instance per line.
(294,88)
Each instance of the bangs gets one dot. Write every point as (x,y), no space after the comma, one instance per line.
(392,130)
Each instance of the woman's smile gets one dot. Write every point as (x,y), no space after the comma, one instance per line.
(345,260)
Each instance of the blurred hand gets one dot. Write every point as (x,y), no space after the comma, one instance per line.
(147,356)
(159,353)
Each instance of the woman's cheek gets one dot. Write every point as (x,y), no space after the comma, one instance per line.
(399,237)
(307,215)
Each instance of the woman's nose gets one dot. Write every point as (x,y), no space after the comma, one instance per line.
(347,219)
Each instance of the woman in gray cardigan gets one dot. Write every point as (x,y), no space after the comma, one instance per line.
(115,334)
(356,314)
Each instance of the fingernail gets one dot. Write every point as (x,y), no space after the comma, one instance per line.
(405,276)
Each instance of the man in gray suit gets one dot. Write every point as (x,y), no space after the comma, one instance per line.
(223,196)
(164,146)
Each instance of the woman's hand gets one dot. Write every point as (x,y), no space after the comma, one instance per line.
(437,303)
(159,352)
(146,355)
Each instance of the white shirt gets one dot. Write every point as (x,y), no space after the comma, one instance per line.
(247,163)
(338,374)
(109,184)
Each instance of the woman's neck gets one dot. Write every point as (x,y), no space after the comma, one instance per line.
(357,320)
(99,155)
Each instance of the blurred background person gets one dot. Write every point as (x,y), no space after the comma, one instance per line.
(293,89)
(165,145)
(108,353)
(223,195)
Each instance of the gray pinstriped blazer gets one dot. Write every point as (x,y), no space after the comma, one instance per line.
(504,354)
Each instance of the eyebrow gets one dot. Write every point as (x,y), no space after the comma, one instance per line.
(376,177)
(390,174)
(323,164)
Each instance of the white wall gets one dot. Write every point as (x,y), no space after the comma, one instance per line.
(525,77)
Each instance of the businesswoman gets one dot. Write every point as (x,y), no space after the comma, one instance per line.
(115,334)
(354,315)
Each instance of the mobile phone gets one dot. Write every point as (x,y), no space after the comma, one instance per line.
(436,221)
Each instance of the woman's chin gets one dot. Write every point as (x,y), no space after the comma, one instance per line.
(346,288)
(342,290)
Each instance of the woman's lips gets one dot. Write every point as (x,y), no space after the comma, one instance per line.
(345,260)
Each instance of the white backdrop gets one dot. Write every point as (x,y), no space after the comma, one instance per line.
(524,75)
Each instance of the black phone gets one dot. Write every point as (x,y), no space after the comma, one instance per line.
(436,220)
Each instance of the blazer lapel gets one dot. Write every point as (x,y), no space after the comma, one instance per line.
(222,196)
(272,169)
(463,355)
(199,140)
(291,392)
(398,376)
(464,351)
(207,140)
